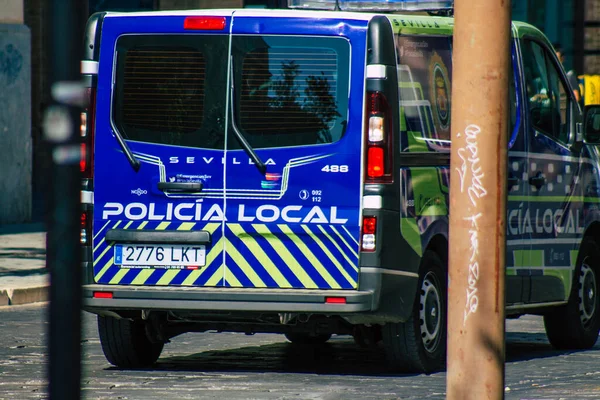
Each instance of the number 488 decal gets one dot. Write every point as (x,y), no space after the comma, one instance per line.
(335,168)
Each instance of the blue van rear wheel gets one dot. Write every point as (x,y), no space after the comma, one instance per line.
(125,343)
(306,338)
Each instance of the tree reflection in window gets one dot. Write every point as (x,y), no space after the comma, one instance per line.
(288,96)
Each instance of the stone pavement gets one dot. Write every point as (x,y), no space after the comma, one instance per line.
(23,275)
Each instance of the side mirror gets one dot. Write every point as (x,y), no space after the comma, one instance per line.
(592,124)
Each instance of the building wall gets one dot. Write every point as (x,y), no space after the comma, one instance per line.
(592,37)
(15,122)
(11,11)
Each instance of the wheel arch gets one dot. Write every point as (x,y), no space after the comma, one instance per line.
(439,245)
(593,232)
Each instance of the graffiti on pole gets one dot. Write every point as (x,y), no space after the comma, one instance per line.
(471,166)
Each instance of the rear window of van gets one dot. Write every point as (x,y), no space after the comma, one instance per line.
(291,91)
(171,89)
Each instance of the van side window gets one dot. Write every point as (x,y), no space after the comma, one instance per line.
(547,97)
(424,79)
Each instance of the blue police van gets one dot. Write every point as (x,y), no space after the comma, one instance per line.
(287,171)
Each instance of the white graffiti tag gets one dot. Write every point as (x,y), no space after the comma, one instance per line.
(470,163)
(473,274)
(471,179)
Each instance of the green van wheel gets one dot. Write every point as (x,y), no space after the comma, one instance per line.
(576,325)
(419,344)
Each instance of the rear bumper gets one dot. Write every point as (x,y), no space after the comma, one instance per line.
(226,299)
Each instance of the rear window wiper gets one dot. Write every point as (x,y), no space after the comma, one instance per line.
(135,163)
(239,135)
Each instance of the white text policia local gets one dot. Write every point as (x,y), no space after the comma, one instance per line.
(522,221)
(194,212)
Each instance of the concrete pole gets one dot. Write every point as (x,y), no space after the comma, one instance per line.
(478,200)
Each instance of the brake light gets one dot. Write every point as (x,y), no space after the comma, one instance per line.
(375,162)
(204,23)
(335,300)
(379,139)
(103,295)
(369,229)
(88,118)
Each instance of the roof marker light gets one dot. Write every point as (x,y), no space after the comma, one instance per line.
(204,23)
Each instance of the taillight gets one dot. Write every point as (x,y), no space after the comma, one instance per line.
(211,23)
(369,230)
(379,158)
(88,118)
(85,228)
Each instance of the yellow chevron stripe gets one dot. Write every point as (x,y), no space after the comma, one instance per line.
(285,255)
(351,262)
(232,280)
(167,277)
(351,280)
(101,229)
(244,266)
(107,247)
(118,276)
(211,227)
(142,277)
(142,225)
(186,226)
(353,250)
(102,240)
(103,270)
(162,226)
(210,257)
(310,256)
(260,255)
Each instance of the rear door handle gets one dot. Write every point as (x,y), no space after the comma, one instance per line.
(538,180)
(190,187)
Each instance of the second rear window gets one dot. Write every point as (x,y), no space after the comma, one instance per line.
(290,91)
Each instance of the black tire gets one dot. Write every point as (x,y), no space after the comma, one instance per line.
(125,343)
(576,325)
(306,338)
(419,344)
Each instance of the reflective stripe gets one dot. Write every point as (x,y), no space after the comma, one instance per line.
(260,255)
(285,255)
(373,202)
(87,197)
(330,256)
(310,256)
(376,71)
(89,67)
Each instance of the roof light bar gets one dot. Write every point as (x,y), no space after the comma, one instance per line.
(396,5)
(313,4)
(374,5)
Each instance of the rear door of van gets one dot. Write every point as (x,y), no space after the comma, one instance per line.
(297,98)
(162,91)
(248,136)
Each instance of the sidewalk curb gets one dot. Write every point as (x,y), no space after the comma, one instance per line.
(19,296)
